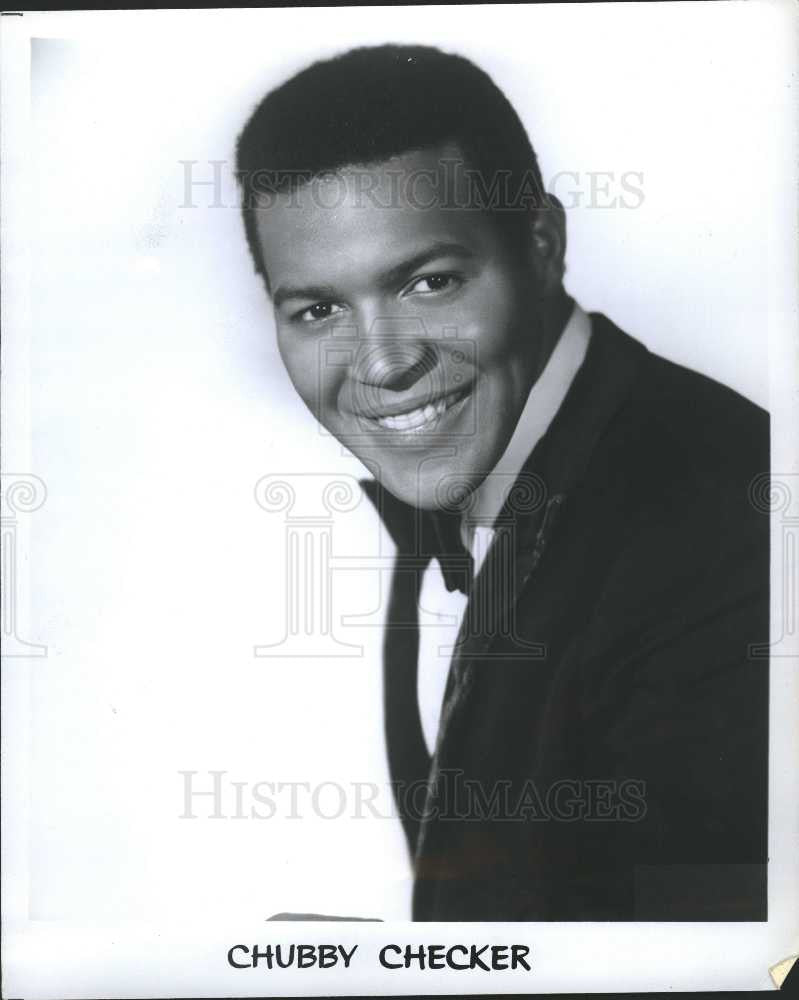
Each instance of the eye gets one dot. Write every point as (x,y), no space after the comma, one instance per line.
(318,311)
(432,283)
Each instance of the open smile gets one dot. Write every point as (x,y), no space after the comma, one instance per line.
(420,419)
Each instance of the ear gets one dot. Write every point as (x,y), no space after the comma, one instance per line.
(549,245)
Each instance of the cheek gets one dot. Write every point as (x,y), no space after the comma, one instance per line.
(299,359)
(492,321)
(310,363)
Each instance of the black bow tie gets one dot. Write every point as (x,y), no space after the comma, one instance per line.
(425,535)
(457,564)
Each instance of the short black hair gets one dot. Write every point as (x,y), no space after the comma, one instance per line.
(369,104)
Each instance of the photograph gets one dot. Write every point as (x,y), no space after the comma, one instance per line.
(400,498)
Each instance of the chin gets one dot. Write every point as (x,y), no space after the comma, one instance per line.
(435,485)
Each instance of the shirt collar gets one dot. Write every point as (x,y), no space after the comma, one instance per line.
(543,402)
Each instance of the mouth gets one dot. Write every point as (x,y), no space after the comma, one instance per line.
(421,419)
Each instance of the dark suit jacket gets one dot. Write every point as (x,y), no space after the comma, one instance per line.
(603,745)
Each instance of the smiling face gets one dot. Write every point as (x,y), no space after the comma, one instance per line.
(412,331)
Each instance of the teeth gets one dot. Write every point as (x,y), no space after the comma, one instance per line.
(421,418)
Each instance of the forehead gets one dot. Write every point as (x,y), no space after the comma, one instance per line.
(362,217)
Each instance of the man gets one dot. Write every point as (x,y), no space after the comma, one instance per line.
(597,747)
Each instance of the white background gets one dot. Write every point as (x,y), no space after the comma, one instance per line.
(148,396)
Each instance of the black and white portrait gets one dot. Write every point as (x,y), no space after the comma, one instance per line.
(400,499)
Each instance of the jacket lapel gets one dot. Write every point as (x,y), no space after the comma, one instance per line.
(527,530)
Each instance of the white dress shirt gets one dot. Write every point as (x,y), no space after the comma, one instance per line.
(440,611)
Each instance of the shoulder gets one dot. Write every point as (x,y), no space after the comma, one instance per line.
(672,486)
(680,432)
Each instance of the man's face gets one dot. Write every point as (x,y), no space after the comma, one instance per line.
(411,330)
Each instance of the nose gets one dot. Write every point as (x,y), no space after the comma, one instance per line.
(394,355)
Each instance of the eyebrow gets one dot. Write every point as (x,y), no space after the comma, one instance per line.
(439,249)
(317,292)
(387,278)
